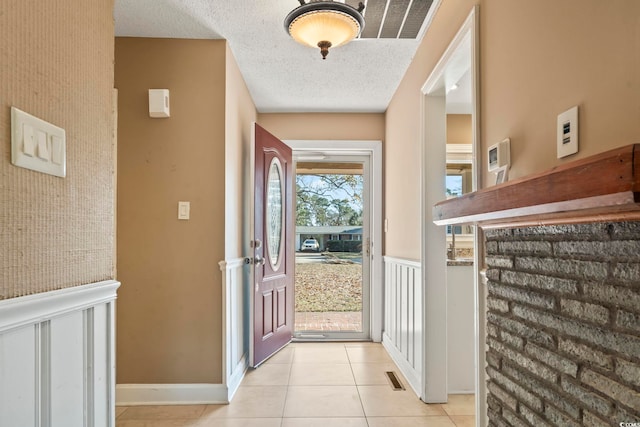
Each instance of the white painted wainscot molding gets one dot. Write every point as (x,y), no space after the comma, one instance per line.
(234,354)
(57,360)
(403,330)
(235,325)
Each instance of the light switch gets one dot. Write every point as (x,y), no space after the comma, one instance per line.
(37,145)
(57,153)
(184,210)
(28,145)
(42,146)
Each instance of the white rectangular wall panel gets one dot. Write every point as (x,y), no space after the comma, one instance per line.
(67,354)
(18,405)
(403,335)
(236,328)
(102,370)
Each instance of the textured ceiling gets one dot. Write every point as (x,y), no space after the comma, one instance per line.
(282,75)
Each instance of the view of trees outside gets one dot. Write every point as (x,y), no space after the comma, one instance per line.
(454,185)
(328,200)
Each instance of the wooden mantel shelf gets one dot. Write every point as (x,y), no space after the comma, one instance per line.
(603,187)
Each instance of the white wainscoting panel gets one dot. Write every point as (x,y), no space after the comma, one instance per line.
(57,361)
(403,334)
(235,327)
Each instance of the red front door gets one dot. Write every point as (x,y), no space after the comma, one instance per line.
(272,246)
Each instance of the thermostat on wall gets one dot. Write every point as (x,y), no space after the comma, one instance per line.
(499,155)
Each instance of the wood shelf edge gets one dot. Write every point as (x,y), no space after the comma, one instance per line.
(598,188)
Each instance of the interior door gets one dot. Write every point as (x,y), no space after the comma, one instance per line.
(273,254)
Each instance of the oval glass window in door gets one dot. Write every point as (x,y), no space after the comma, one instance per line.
(274,215)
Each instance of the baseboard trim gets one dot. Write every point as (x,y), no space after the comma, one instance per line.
(237,376)
(171,394)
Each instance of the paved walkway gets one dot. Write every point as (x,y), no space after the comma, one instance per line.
(331,321)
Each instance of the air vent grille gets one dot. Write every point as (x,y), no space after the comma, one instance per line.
(394,381)
(391,19)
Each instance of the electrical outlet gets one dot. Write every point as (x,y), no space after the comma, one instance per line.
(568,133)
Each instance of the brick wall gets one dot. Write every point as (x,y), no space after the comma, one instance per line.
(563,325)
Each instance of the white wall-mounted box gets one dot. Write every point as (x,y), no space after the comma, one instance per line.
(159,103)
(37,145)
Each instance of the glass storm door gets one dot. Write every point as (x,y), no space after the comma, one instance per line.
(332,279)
(273,258)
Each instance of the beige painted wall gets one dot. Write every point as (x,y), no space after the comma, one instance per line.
(459,129)
(527,78)
(169,308)
(57,232)
(329,126)
(240,114)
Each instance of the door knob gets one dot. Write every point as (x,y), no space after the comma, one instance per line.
(257,261)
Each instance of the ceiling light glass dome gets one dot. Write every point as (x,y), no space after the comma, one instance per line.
(324,24)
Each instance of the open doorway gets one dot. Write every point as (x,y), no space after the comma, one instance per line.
(332,238)
(350,246)
(450,256)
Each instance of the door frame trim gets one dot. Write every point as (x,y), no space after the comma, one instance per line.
(433,100)
(433,161)
(372,148)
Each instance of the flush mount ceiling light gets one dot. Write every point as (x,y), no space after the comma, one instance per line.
(324,24)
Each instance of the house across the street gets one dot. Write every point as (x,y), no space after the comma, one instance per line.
(326,234)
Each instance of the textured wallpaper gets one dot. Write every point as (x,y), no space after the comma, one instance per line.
(56,63)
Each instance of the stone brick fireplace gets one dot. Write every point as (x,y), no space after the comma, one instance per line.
(563,324)
(562,259)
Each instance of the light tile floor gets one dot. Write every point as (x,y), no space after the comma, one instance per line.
(314,385)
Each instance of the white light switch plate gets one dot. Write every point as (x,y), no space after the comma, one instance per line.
(37,145)
(568,132)
(184,210)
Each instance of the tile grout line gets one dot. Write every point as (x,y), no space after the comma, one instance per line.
(286,393)
(366,419)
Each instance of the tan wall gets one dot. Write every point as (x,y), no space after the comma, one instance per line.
(459,129)
(527,78)
(530,76)
(329,126)
(240,114)
(402,149)
(57,232)
(169,321)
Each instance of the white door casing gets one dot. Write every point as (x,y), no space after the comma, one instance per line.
(465,47)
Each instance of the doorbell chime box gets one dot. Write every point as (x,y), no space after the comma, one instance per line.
(159,103)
